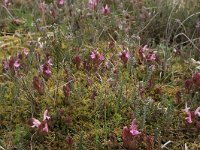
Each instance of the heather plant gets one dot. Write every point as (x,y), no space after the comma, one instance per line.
(99,74)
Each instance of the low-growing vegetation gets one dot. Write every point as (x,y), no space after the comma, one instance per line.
(100,74)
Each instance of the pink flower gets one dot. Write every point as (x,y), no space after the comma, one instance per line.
(124,56)
(36,123)
(147,55)
(96,57)
(129,135)
(93,55)
(176,51)
(16,64)
(42,6)
(101,57)
(105,10)
(197,112)
(60,2)
(190,114)
(186,108)
(42,126)
(25,51)
(45,128)
(133,128)
(143,50)
(46,70)
(12,64)
(45,116)
(93,4)
(189,117)
(151,57)
(50,62)
(19,55)
(6,3)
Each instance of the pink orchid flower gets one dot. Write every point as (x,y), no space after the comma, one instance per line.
(6,2)
(101,57)
(197,112)
(45,115)
(143,50)
(93,55)
(151,57)
(189,115)
(46,70)
(124,56)
(129,134)
(42,6)
(42,126)
(105,10)
(50,62)
(25,51)
(147,55)
(186,108)
(17,64)
(60,2)
(36,123)
(96,56)
(45,129)
(133,128)
(12,64)
(93,4)
(19,55)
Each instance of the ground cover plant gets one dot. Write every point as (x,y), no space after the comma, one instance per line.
(99,74)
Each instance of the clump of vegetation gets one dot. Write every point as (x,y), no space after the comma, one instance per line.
(97,74)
